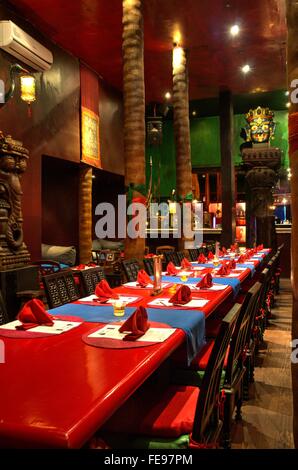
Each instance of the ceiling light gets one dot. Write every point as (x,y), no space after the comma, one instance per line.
(246,68)
(168,95)
(287,93)
(288,104)
(194,113)
(234,30)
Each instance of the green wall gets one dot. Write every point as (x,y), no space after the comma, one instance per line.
(205,148)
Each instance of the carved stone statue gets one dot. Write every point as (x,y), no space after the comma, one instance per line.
(261,162)
(13,163)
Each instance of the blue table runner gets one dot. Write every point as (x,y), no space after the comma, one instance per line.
(192,322)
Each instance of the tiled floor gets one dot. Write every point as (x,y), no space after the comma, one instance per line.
(267,416)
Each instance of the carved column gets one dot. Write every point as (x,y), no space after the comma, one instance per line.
(262,165)
(181,128)
(85,214)
(292,65)
(134,108)
(13,163)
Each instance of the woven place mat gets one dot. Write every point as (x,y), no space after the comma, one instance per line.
(30,334)
(108,343)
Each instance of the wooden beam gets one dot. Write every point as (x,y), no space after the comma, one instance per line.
(227,168)
(85,214)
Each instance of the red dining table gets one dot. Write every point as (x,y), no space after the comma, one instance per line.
(57,391)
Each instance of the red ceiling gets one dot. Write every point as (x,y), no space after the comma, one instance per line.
(91,30)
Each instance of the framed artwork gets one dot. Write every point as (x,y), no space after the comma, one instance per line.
(90,138)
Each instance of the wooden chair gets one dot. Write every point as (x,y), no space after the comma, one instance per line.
(250,343)
(180,255)
(171,256)
(131,268)
(235,367)
(193,254)
(164,418)
(149,266)
(60,288)
(3,312)
(89,278)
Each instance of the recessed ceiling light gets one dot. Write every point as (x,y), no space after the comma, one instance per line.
(194,113)
(288,104)
(234,30)
(168,95)
(246,68)
(287,93)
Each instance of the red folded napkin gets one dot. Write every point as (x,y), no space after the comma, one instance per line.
(224,270)
(104,292)
(182,296)
(241,259)
(137,324)
(206,282)
(185,264)
(171,269)
(220,253)
(233,248)
(92,265)
(260,247)
(233,264)
(224,250)
(210,255)
(150,255)
(81,267)
(202,259)
(33,314)
(143,279)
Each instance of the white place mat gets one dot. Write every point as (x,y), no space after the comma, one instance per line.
(149,286)
(195,303)
(125,298)
(215,287)
(111,331)
(59,327)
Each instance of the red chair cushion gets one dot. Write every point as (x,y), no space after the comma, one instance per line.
(213,327)
(169,413)
(201,360)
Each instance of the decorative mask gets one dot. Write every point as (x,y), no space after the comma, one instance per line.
(260,127)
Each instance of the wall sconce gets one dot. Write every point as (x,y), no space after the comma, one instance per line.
(28,90)
(27,86)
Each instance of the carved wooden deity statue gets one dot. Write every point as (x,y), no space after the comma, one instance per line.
(262,163)
(13,163)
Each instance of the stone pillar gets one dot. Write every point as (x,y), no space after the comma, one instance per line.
(85,214)
(292,66)
(227,168)
(181,128)
(134,109)
(262,164)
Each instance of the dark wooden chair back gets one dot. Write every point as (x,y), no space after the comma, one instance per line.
(207,423)
(193,254)
(180,256)
(241,334)
(131,268)
(90,278)
(60,288)
(171,256)
(149,266)
(3,312)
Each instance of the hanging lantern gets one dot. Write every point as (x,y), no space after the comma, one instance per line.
(28,90)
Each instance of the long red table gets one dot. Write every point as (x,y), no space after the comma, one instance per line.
(57,391)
